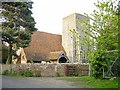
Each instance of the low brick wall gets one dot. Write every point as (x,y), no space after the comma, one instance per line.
(48,69)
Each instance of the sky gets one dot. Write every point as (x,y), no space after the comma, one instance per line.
(48,14)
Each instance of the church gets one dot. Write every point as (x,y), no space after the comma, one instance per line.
(53,48)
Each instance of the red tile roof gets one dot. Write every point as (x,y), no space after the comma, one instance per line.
(42,44)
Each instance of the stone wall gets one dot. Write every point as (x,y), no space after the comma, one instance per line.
(48,69)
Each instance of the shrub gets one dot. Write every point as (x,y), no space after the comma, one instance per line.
(9,73)
(26,73)
(98,61)
(6,72)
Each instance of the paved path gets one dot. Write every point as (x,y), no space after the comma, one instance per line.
(36,82)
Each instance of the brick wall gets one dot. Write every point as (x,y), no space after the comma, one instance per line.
(49,69)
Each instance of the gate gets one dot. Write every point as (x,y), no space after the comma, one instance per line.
(71,70)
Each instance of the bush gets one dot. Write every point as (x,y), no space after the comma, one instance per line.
(9,73)
(98,61)
(26,73)
(6,72)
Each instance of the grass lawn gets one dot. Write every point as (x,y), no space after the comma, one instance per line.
(91,81)
(14,75)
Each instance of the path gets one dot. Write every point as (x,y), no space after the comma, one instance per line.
(36,82)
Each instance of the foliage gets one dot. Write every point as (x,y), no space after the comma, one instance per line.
(6,72)
(103,28)
(98,62)
(92,82)
(22,73)
(17,25)
(26,73)
(18,13)
(104,31)
(103,36)
(101,60)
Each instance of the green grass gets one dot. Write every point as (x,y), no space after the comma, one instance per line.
(24,73)
(8,73)
(14,75)
(92,82)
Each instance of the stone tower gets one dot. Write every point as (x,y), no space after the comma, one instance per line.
(68,39)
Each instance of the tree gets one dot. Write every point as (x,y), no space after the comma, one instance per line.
(17,24)
(103,33)
(4,53)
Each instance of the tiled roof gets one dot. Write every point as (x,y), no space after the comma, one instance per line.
(42,44)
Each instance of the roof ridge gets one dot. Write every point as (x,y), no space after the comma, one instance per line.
(46,33)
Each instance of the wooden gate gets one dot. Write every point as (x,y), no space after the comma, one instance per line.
(71,71)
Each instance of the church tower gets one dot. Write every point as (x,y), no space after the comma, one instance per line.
(69,40)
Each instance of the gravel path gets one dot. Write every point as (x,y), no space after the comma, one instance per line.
(36,82)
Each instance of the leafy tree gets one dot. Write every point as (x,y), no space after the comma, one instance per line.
(17,24)
(103,33)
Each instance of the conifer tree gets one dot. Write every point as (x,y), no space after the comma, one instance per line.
(17,24)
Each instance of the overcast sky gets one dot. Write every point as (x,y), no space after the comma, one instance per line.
(48,14)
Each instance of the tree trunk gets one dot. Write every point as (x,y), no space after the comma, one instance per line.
(9,60)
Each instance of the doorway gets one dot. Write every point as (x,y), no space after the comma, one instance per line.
(62,60)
